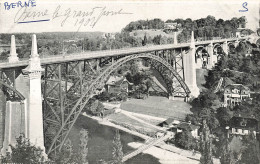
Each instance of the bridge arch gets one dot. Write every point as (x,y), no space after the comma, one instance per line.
(201,57)
(15,94)
(99,82)
(231,47)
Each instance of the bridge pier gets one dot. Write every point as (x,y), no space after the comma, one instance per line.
(34,96)
(225,47)
(15,124)
(2,116)
(190,68)
(210,63)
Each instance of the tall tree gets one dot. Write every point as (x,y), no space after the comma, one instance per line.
(117,149)
(205,145)
(251,152)
(226,154)
(83,150)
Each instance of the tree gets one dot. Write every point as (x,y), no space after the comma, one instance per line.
(144,42)
(66,154)
(223,115)
(94,106)
(185,140)
(24,152)
(251,152)
(205,145)
(83,150)
(226,154)
(117,149)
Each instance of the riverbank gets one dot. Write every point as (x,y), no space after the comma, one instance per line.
(106,122)
(165,156)
(185,156)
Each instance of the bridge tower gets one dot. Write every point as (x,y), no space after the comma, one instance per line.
(13,55)
(175,39)
(190,68)
(32,77)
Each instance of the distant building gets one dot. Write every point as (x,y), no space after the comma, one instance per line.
(168,27)
(242,125)
(169,123)
(117,84)
(194,129)
(108,35)
(234,94)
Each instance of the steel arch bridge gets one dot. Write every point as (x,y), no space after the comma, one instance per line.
(7,85)
(69,86)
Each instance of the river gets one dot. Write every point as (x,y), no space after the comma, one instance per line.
(100,142)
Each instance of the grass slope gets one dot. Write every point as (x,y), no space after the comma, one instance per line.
(158,106)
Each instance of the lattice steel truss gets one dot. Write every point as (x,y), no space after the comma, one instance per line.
(7,84)
(69,86)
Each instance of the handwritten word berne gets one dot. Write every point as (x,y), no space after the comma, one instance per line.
(29,3)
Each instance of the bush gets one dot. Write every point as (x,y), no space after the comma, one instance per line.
(24,152)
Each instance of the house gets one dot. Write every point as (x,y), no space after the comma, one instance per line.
(171,27)
(194,129)
(116,84)
(108,35)
(234,94)
(169,123)
(240,124)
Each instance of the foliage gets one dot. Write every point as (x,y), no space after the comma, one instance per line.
(94,107)
(24,152)
(185,140)
(223,115)
(144,42)
(226,154)
(144,24)
(251,152)
(206,145)
(66,155)
(105,96)
(83,150)
(117,149)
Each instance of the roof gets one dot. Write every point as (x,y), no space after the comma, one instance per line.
(237,86)
(244,115)
(169,121)
(117,80)
(187,126)
(227,81)
(238,121)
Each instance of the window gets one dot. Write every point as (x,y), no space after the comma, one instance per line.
(243,122)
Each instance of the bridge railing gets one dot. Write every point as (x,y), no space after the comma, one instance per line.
(121,50)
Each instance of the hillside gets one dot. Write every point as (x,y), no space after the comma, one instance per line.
(151,33)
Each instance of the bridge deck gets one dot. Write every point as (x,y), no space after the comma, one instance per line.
(105,53)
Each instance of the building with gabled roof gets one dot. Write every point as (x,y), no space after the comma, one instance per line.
(194,129)
(243,124)
(117,84)
(234,94)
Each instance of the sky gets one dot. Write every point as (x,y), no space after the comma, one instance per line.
(112,16)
